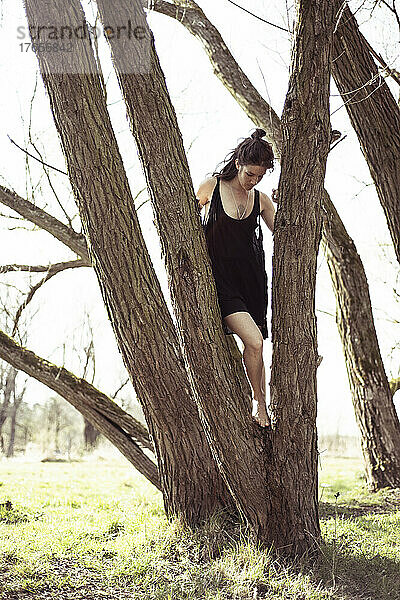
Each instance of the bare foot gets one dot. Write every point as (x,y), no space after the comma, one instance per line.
(260,414)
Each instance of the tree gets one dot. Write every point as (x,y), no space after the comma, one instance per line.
(7,378)
(66,91)
(17,401)
(126,275)
(373,112)
(371,393)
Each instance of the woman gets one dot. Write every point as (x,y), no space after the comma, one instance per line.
(234,238)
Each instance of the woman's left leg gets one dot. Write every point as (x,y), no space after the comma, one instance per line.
(244,326)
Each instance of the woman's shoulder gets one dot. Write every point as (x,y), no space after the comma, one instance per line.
(206,189)
(265,201)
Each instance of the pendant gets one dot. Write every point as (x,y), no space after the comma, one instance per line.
(241,210)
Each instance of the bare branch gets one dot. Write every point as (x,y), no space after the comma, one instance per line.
(75,241)
(45,268)
(46,171)
(226,69)
(259,18)
(52,270)
(123,384)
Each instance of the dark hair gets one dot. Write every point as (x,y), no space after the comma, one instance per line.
(251,151)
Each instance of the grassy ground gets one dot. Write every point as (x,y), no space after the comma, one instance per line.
(96,529)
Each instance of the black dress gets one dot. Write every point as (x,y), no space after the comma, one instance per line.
(238,262)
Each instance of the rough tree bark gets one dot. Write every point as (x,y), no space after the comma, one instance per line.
(192,486)
(344,264)
(372,398)
(374,115)
(297,231)
(300,517)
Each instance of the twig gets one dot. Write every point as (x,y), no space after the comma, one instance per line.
(35,158)
(53,270)
(334,542)
(259,18)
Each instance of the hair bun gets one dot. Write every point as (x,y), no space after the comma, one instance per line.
(258,134)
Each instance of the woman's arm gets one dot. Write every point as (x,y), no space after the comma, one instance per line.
(267,210)
(204,193)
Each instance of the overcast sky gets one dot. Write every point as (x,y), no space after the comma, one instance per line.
(211,124)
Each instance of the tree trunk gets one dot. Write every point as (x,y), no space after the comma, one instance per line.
(372,399)
(191,483)
(9,386)
(223,408)
(374,115)
(297,231)
(367,394)
(142,91)
(13,425)
(91,436)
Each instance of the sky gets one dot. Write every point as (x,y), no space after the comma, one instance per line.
(212,124)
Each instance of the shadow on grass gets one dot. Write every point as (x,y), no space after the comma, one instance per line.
(356,509)
(359,577)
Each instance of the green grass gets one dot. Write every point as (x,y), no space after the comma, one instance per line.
(96,529)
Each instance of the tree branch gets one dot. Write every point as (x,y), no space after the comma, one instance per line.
(35,158)
(54,267)
(51,271)
(75,241)
(123,430)
(226,69)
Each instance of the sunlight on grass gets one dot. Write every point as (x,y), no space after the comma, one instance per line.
(100,527)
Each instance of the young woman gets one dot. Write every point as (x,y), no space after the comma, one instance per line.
(234,238)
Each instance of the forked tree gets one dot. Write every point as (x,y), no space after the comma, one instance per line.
(246,466)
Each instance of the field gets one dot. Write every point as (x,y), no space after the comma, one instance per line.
(95,529)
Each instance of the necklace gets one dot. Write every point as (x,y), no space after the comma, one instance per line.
(240,209)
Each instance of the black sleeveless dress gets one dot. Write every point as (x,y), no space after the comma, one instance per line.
(238,261)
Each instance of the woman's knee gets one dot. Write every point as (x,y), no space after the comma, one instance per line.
(254,343)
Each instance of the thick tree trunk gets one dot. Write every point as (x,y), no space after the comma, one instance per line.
(145,332)
(146,98)
(115,424)
(226,417)
(374,115)
(367,396)
(372,398)
(11,439)
(297,232)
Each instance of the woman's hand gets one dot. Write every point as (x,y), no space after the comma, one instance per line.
(274,196)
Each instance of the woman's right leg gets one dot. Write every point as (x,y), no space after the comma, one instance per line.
(242,323)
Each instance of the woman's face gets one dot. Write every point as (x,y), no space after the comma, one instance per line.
(249,175)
